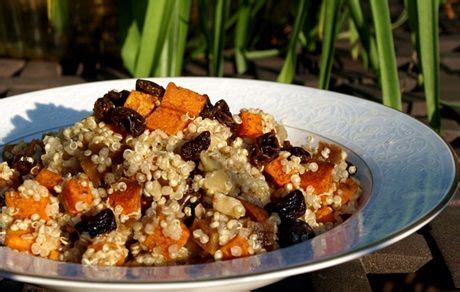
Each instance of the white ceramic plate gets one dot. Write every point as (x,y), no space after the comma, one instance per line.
(408,175)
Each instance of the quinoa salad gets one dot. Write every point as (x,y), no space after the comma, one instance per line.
(161,176)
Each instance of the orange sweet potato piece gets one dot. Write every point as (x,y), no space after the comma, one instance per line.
(75,191)
(54,255)
(90,169)
(158,239)
(213,243)
(251,125)
(183,100)
(166,119)
(16,240)
(48,178)
(27,206)
(325,214)
(237,241)
(141,102)
(255,212)
(275,170)
(97,246)
(129,200)
(348,190)
(321,179)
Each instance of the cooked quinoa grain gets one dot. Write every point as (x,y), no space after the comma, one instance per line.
(184,190)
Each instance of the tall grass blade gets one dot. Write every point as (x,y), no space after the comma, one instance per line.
(367,40)
(58,14)
(389,79)
(156,23)
(181,30)
(241,34)
(428,19)
(129,32)
(353,39)
(217,58)
(331,24)
(289,66)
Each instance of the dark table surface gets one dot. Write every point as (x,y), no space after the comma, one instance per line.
(427,260)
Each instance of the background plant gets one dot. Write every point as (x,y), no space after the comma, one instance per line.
(156,39)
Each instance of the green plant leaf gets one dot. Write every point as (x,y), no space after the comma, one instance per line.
(241,34)
(156,23)
(331,26)
(217,58)
(251,55)
(58,14)
(288,70)
(129,32)
(428,20)
(367,40)
(388,74)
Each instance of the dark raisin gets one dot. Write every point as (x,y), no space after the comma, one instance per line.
(146,202)
(102,222)
(191,150)
(301,153)
(117,97)
(191,199)
(103,108)
(2,199)
(150,87)
(265,149)
(294,232)
(287,144)
(208,111)
(23,166)
(223,115)
(128,120)
(290,207)
(23,156)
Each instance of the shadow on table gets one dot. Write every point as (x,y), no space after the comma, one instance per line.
(41,119)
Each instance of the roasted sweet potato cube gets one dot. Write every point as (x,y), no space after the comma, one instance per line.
(321,179)
(212,245)
(141,102)
(168,120)
(90,169)
(129,200)
(251,125)
(183,100)
(255,212)
(20,240)
(335,154)
(27,206)
(99,245)
(275,170)
(159,240)
(76,195)
(348,190)
(325,214)
(48,178)
(238,246)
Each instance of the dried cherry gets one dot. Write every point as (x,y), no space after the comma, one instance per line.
(117,97)
(294,232)
(265,149)
(128,120)
(208,111)
(150,87)
(223,115)
(191,150)
(103,108)
(290,207)
(102,222)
